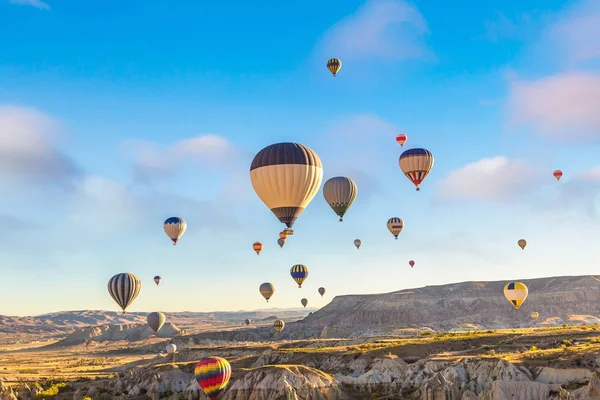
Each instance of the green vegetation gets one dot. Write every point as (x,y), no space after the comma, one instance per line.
(52,391)
(28,371)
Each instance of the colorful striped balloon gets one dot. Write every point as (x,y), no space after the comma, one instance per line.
(299,273)
(212,375)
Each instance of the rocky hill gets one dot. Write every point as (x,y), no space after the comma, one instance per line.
(561,300)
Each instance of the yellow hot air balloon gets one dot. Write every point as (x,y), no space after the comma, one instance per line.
(334,65)
(416,164)
(395,225)
(286,177)
(340,192)
(535,315)
(267,289)
(257,246)
(522,243)
(516,293)
(278,325)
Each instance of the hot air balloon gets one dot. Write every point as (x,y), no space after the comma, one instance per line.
(267,289)
(557,174)
(299,272)
(156,320)
(248,322)
(535,315)
(411,263)
(124,288)
(278,325)
(257,246)
(334,65)
(171,348)
(281,242)
(288,232)
(282,235)
(304,302)
(522,243)
(175,227)
(401,139)
(416,164)
(212,375)
(395,225)
(157,279)
(516,293)
(340,192)
(321,291)
(357,243)
(286,177)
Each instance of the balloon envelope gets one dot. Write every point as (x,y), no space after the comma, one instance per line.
(516,293)
(157,279)
(156,320)
(357,243)
(416,164)
(304,302)
(278,325)
(522,243)
(212,375)
(395,226)
(286,177)
(299,273)
(411,263)
(175,227)
(334,65)
(401,139)
(124,288)
(281,242)
(267,289)
(340,192)
(248,322)
(535,315)
(257,246)
(321,291)
(558,174)
(171,348)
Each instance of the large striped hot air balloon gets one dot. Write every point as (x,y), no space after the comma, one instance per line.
(340,192)
(257,246)
(267,289)
(401,139)
(286,177)
(395,225)
(299,272)
(278,325)
(175,227)
(156,320)
(124,288)
(516,293)
(212,375)
(416,164)
(334,65)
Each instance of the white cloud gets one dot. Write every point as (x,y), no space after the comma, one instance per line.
(564,106)
(576,35)
(27,147)
(33,3)
(152,160)
(388,29)
(490,179)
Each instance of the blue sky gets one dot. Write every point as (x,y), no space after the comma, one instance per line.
(117,115)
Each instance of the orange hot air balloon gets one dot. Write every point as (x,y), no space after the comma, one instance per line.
(257,246)
(212,375)
(283,235)
(401,139)
(557,174)
(411,263)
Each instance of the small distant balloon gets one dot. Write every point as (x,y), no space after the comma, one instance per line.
(299,273)
(411,263)
(257,246)
(558,174)
(334,65)
(395,226)
(282,235)
(522,243)
(516,293)
(171,348)
(357,243)
(157,279)
(248,322)
(281,242)
(304,302)
(267,289)
(416,165)
(401,139)
(535,315)
(278,325)
(175,227)
(156,320)
(321,291)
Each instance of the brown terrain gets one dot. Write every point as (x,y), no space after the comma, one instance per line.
(458,341)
